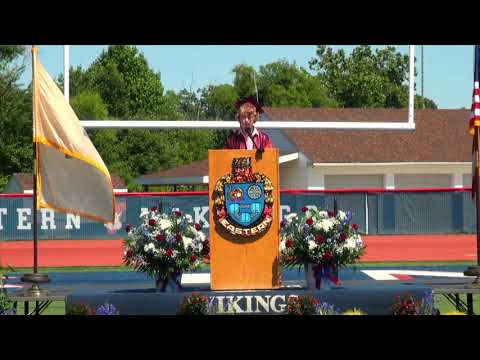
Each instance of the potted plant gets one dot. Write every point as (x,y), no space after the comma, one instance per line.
(321,242)
(164,246)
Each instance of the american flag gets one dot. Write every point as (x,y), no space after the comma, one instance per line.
(475,123)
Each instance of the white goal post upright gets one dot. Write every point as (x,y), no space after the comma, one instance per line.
(197,124)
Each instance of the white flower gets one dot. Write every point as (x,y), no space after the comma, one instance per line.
(187,241)
(283,245)
(165,224)
(326,224)
(341,215)
(323,214)
(143,213)
(311,245)
(354,242)
(149,247)
(290,217)
(350,243)
(189,218)
(201,236)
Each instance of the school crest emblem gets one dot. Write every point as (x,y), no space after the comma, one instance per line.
(244,200)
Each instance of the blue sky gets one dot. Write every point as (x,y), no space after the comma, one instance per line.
(448,70)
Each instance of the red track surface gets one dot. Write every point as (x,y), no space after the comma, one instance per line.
(109,252)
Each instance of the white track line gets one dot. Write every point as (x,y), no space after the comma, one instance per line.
(387,274)
(202,278)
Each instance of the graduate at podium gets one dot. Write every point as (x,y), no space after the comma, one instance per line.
(248,137)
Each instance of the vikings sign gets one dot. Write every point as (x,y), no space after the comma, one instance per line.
(244,200)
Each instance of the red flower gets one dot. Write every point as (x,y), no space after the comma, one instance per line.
(331,213)
(152,222)
(129,253)
(304,209)
(154,208)
(319,238)
(268,211)
(178,213)
(178,237)
(198,227)
(343,237)
(355,227)
(169,252)
(328,255)
(160,237)
(310,221)
(289,243)
(193,258)
(128,228)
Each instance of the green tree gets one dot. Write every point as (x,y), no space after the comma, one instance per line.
(88,105)
(10,71)
(365,78)
(190,105)
(126,83)
(218,101)
(244,81)
(78,81)
(16,150)
(282,84)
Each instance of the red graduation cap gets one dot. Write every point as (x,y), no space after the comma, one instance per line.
(250,100)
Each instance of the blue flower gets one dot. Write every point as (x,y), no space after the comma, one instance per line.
(12,311)
(107,309)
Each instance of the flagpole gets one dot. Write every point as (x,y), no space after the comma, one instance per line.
(35,278)
(475,269)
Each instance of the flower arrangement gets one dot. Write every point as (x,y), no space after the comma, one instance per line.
(354,311)
(309,305)
(165,244)
(408,305)
(454,313)
(195,304)
(324,239)
(85,309)
(107,309)
(6,305)
(80,309)
(302,305)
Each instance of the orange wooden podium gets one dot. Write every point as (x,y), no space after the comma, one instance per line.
(238,261)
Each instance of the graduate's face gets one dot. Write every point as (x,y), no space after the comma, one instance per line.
(247,116)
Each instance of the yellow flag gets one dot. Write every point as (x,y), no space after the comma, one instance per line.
(71,175)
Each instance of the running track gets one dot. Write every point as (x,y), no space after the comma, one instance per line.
(109,252)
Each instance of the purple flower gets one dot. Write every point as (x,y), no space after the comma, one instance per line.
(12,311)
(107,309)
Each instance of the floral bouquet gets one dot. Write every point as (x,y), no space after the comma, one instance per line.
(85,309)
(80,309)
(302,305)
(194,304)
(309,305)
(408,305)
(165,245)
(6,305)
(320,239)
